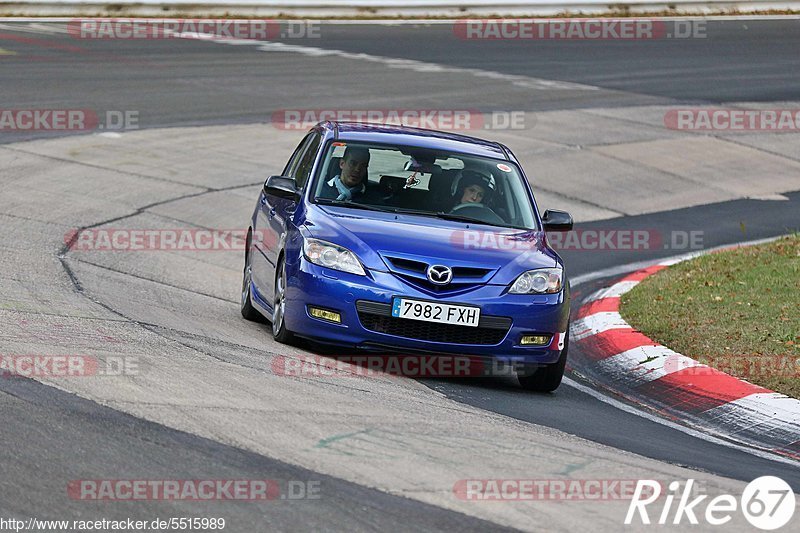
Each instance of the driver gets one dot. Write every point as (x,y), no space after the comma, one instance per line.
(351,182)
(473,188)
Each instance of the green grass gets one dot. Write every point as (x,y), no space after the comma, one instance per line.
(738,311)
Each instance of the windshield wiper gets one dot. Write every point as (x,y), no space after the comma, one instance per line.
(354,205)
(447,216)
(461,218)
(457,218)
(402,211)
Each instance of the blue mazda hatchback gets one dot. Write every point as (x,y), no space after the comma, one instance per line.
(395,239)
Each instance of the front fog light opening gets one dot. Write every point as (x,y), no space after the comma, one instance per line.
(325,314)
(536,339)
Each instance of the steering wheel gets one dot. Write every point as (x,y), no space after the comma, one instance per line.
(478,212)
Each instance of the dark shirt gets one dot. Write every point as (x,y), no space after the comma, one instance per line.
(366,193)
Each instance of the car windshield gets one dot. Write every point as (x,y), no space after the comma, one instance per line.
(425,182)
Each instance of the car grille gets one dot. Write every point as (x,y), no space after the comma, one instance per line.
(414,272)
(378,317)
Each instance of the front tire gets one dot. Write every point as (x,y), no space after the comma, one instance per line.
(246,305)
(279,331)
(546,378)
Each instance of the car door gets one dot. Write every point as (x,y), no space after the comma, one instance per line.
(275,215)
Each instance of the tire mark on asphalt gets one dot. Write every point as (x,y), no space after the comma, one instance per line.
(119,171)
(157,282)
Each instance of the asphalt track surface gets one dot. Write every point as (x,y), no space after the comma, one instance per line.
(180,83)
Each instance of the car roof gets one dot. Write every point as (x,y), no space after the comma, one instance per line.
(417,137)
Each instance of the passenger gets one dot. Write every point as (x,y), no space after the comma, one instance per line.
(473,188)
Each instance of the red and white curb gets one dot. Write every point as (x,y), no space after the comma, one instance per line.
(634,366)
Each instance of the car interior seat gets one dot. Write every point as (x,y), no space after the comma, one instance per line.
(333,168)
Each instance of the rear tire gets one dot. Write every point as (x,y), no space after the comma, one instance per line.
(246,305)
(546,378)
(279,331)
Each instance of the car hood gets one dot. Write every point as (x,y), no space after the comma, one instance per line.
(374,236)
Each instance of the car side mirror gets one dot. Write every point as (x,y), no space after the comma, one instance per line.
(282,187)
(555,220)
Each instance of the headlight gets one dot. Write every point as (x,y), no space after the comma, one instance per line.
(539,281)
(329,255)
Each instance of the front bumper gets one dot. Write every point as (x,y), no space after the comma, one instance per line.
(364,303)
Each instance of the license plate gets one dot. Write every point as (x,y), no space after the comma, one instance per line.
(461,315)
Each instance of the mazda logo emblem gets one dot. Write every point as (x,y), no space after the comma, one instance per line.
(440,274)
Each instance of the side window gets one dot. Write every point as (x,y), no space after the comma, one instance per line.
(303,170)
(291,166)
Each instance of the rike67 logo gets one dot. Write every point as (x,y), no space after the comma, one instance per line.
(767,503)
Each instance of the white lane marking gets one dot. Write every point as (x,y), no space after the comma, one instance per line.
(50,28)
(424,66)
(762,412)
(32,28)
(671,262)
(614,291)
(672,425)
(643,364)
(526,82)
(770,198)
(769,414)
(597,323)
